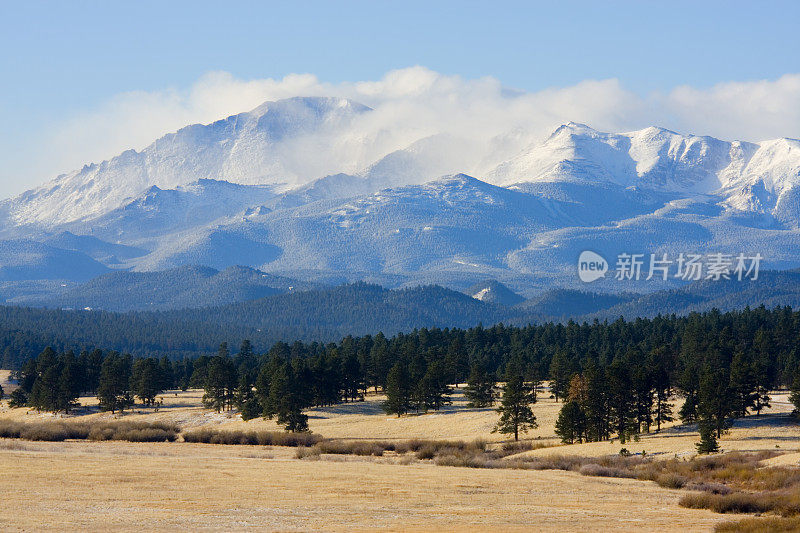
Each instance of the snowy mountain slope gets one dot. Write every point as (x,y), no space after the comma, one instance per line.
(652,158)
(746,176)
(158,212)
(262,146)
(294,186)
(452,223)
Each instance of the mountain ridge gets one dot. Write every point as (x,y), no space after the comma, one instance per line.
(244,191)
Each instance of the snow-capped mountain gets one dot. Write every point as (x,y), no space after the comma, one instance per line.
(749,176)
(240,192)
(262,146)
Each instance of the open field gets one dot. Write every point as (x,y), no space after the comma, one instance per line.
(125,486)
(365,420)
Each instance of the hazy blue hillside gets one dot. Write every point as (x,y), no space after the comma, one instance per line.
(770,289)
(24,259)
(353,310)
(319,315)
(187,286)
(329,313)
(572,303)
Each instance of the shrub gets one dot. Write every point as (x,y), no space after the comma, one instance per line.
(354,448)
(464,460)
(713,488)
(60,431)
(759,525)
(594,469)
(262,438)
(135,432)
(304,452)
(43,431)
(735,502)
(671,481)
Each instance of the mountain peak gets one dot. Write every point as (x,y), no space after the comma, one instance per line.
(321,104)
(572,128)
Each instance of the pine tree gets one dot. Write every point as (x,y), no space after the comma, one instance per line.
(70,383)
(113,390)
(220,383)
(264,386)
(621,399)
(380,361)
(742,384)
(560,374)
(715,398)
(166,374)
(398,390)
(708,439)
(146,380)
(642,383)
(246,349)
(661,361)
(433,388)
(44,379)
(516,415)
(287,395)
(689,380)
(352,375)
(92,364)
(416,371)
(762,377)
(246,400)
(595,405)
(481,387)
(18,398)
(571,423)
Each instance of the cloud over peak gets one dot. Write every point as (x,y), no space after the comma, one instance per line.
(416,102)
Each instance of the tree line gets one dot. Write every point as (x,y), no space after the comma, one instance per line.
(615,379)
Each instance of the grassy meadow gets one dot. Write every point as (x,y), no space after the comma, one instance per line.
(327,485)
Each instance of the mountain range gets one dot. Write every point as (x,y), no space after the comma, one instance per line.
(293,190)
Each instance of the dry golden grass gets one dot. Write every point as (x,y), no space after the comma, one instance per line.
(123,486)
(127,486)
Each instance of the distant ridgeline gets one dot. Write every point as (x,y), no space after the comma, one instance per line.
(328,314)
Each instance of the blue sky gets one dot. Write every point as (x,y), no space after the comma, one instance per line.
(64,60)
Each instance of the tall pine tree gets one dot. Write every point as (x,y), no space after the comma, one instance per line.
(515,411)
(398,390)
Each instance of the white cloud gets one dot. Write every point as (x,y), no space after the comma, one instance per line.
(415,102)
(752,110)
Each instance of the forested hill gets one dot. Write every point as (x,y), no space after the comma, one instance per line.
(328,314)
(322,315)
(355,309)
